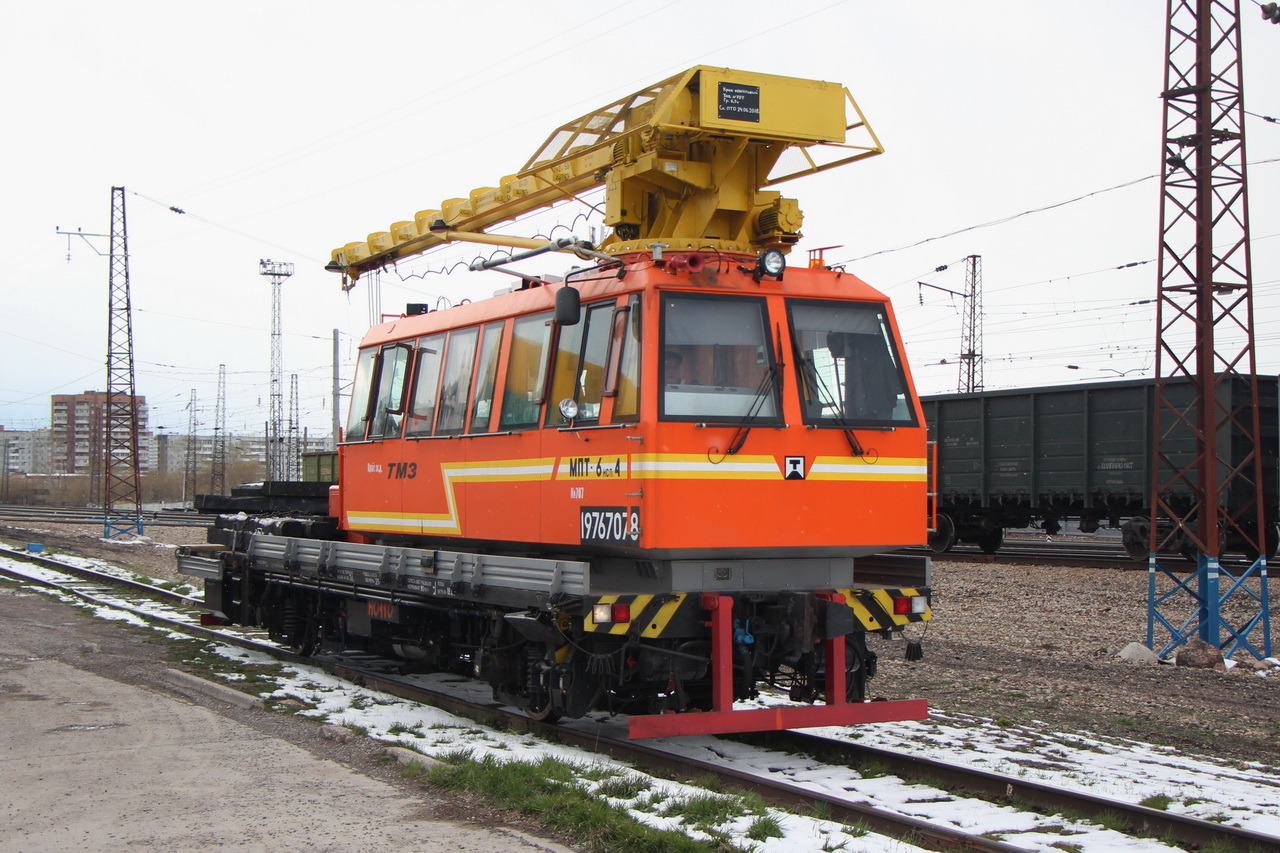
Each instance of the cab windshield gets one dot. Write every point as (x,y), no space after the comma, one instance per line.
(717,364)
(850,370)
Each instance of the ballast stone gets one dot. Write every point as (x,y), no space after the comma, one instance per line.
(1200,655)
(1138,653)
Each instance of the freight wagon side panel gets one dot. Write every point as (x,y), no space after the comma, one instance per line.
(1061,439)
(1119,443)
(1008,448)
(956,425)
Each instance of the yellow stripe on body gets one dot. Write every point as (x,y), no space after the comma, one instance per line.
(494,471)
(884,469)
(697,466)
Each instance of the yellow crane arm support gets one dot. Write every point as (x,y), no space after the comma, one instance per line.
(684,162)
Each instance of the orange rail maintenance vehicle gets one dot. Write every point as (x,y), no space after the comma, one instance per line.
(654,485)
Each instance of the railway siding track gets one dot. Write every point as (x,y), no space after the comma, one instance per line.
(594,737)
(81,515)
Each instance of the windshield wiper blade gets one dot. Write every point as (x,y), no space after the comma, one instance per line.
(828,400)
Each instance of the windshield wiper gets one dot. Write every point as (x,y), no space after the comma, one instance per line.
(762,395)
(828,400)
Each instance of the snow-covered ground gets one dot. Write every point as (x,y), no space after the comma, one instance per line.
(1128,771)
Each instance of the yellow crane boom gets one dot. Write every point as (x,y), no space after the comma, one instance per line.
(685,162)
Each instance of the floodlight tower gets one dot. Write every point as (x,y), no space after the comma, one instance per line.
(1207,493)
(122,506)
(277,456)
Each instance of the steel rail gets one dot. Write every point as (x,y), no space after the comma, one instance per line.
(1183,830)
(997,787)
(89,515)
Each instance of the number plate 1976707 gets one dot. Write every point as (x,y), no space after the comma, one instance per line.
(611,525)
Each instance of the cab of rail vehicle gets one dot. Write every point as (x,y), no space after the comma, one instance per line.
(697,416)
(688,411)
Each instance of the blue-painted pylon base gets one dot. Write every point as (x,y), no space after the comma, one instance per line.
(1204,592)
(117,525)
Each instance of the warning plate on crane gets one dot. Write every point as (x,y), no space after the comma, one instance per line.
(788,107)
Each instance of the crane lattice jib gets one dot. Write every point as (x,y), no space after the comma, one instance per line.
(685,162)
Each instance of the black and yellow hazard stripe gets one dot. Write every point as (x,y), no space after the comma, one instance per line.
(651,615)
(873,608)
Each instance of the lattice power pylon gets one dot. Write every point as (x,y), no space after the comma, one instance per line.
(971,331)
(218,464)
(295,431)
(191,468)
(1207,474)
(122,504)
(277,455)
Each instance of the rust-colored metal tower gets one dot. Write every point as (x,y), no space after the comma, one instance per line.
(122,506)
(1207,474)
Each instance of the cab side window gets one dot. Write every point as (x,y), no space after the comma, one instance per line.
(455,384)
(622,379)
(486,377)
(580,362)
(388,409)
(526,367)
(426,386)
(361,395)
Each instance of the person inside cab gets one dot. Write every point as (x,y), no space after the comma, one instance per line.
(673,368)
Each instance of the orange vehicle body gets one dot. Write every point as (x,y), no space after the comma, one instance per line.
(674,489)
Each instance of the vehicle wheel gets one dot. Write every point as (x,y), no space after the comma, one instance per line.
(543,711)
(1135,535)
(538,702)
(943,538)
(990,541)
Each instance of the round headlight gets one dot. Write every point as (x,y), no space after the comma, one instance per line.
(773,262)
(568,408)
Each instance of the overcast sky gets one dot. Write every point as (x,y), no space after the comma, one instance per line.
(286,129)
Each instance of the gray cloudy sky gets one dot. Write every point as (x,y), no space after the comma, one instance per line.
(285,129)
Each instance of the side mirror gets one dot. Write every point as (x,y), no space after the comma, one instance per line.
(568,307)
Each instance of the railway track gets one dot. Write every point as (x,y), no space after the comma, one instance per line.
(181,612)
(1030,550)
(89,515)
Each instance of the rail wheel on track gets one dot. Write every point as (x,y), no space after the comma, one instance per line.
(1135,535)
(990,541)
(943,537)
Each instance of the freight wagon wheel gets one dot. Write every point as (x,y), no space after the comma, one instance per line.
(991,541)
(1135,535)
(943,538)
